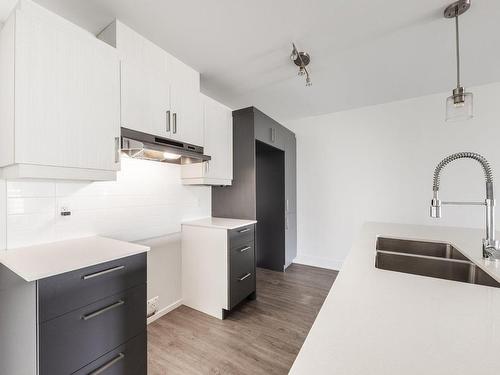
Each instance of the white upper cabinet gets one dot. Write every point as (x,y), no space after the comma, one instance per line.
(218,139)
(159,94)
(59,99)
(187,116)
(145,86)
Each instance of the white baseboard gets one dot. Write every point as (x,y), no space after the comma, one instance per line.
(311,260)
(164,311)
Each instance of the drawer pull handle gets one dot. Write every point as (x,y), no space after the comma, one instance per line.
(244,230)
(107,365)
(103,310)
(245,277)
(244,249)
(101,273)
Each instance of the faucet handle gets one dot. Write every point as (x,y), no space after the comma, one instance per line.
(491,249)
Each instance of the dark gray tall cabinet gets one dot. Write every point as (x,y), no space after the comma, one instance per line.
(259,141)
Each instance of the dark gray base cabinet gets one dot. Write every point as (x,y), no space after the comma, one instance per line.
(90,321)
(94,319)
(242,281)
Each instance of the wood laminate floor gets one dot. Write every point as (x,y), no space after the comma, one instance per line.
(259,337)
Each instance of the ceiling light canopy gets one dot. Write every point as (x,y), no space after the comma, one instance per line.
(459,106)
(302,60)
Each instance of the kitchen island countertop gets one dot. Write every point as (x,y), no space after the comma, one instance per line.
(377,322)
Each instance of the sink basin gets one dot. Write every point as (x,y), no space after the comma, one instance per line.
(438,260)
(431,249)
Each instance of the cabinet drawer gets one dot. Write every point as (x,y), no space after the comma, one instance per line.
(73,340)
(242,260)
(241,286)
(128,359)
(63,293)
(241,236)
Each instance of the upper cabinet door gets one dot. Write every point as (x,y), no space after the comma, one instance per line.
(67,99)
(269,131)
(187,109)
(218,139)
(145,88)
(218,121)
(160,94)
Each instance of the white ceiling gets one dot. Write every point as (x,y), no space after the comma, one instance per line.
(363,52)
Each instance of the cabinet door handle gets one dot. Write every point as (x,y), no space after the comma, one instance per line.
(273,135)
(245,277)
(286,223)
(174,120)
(103,310)
(287,207)
(101,273)
(244,230)
(117,149)
(107,365)
(244,249)
(167,126)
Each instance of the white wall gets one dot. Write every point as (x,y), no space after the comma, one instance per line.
(376,164)
(147,201)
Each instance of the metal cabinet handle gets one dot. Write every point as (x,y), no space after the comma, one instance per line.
(244,230)
(167,126)
(174,126)
(101,273)
(103,310)
(286,222)
(244,249)
(107,365)
(245,277)
(273,135)
(287,206)
(117,149)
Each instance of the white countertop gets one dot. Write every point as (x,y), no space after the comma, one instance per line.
(41,261)
(220,223)
(377,322)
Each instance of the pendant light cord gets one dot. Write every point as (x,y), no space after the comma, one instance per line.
(458,50)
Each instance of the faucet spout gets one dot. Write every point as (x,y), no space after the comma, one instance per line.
(491,247)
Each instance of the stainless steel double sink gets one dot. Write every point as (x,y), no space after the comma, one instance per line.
(432,259)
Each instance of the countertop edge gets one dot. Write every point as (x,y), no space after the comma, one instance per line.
(8,259)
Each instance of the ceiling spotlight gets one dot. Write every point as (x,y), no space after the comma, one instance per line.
(459,106)
(302,60)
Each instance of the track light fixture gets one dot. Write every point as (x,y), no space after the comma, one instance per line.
(301,59)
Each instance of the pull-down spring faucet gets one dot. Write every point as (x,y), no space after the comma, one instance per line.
(491,247)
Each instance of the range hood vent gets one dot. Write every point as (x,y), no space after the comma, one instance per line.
(149,147)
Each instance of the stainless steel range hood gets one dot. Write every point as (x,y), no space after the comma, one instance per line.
(150,147)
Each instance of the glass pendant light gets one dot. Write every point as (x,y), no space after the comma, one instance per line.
(460,105)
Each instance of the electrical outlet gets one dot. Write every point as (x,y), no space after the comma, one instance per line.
(65,211)
(153,305)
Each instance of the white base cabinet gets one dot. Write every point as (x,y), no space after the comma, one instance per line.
(218,264)
(218,134)
(59,99)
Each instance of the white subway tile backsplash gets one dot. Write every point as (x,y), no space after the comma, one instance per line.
(30,205)
(27,189)
(147,200)
(30,229)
